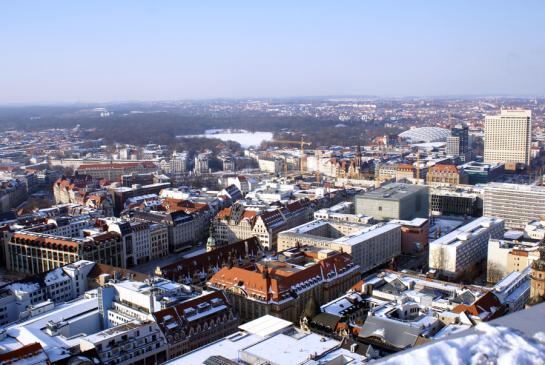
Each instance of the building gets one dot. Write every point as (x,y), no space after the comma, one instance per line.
(262,340)
(369,245)
(514,203)
(179,163)
(425,135)
(508,137)
(143,179)
(414,235)
(458,142)
(508,255)
(111,323)
(394,201)
(12,193)
(186,221)
(482,173)
(202,161)
(137,343)
(114,170)
(446,175)
(122,194)
(282,286)
(28,297)
(198,269)
(537,276)
(158,241)
(514,289)
(393,311)
(196,322)
(342,212)
(271,165)
(456,201)
(33,253)
(457,253)
(237,222)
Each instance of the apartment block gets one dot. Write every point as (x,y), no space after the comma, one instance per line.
(457,253)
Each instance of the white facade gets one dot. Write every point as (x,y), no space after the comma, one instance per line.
(274,166)
(455,253)
(128,343)
(514,203)
(508,137)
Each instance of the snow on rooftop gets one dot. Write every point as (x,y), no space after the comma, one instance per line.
(31,331)
(55,276)
(489,345)
(287,350)
(24,287)
(227,347)
(265,326)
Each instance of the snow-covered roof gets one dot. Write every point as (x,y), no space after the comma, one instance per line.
(426,134)
(489,344)
(266,325)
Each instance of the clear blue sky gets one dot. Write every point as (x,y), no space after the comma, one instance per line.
(65,51)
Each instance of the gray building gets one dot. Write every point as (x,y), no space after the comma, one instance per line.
(456,201)
(516,204)
(394,201)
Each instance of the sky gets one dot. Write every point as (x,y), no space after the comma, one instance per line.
(115,50)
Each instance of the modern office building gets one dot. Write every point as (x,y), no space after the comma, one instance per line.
(456,254)
(507,138)
(394,201)
(458,142)
(514,203)
(482,173)
(456,201)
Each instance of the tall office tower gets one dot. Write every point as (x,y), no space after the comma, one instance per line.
(507,138)
(458,142)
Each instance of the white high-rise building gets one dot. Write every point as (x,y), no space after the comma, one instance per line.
(508,137)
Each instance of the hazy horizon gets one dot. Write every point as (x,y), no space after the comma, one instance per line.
(65,52)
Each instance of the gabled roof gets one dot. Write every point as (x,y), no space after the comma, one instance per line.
(213,259)
(487,307)
(392,333)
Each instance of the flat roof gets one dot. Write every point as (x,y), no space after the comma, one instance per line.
(393,191)
(476,226)
(265,326)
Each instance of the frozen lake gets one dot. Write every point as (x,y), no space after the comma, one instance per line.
(245,138)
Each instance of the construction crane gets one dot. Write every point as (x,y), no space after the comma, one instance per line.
(302,142)
(417,166)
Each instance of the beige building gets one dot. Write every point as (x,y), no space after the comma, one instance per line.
(369,245)
(506,256)
(159,240)
(33,253)
(507,137)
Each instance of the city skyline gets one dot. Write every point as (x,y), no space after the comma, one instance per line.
(137,51)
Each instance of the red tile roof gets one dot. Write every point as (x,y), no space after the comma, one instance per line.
(213,259)
(21,353)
